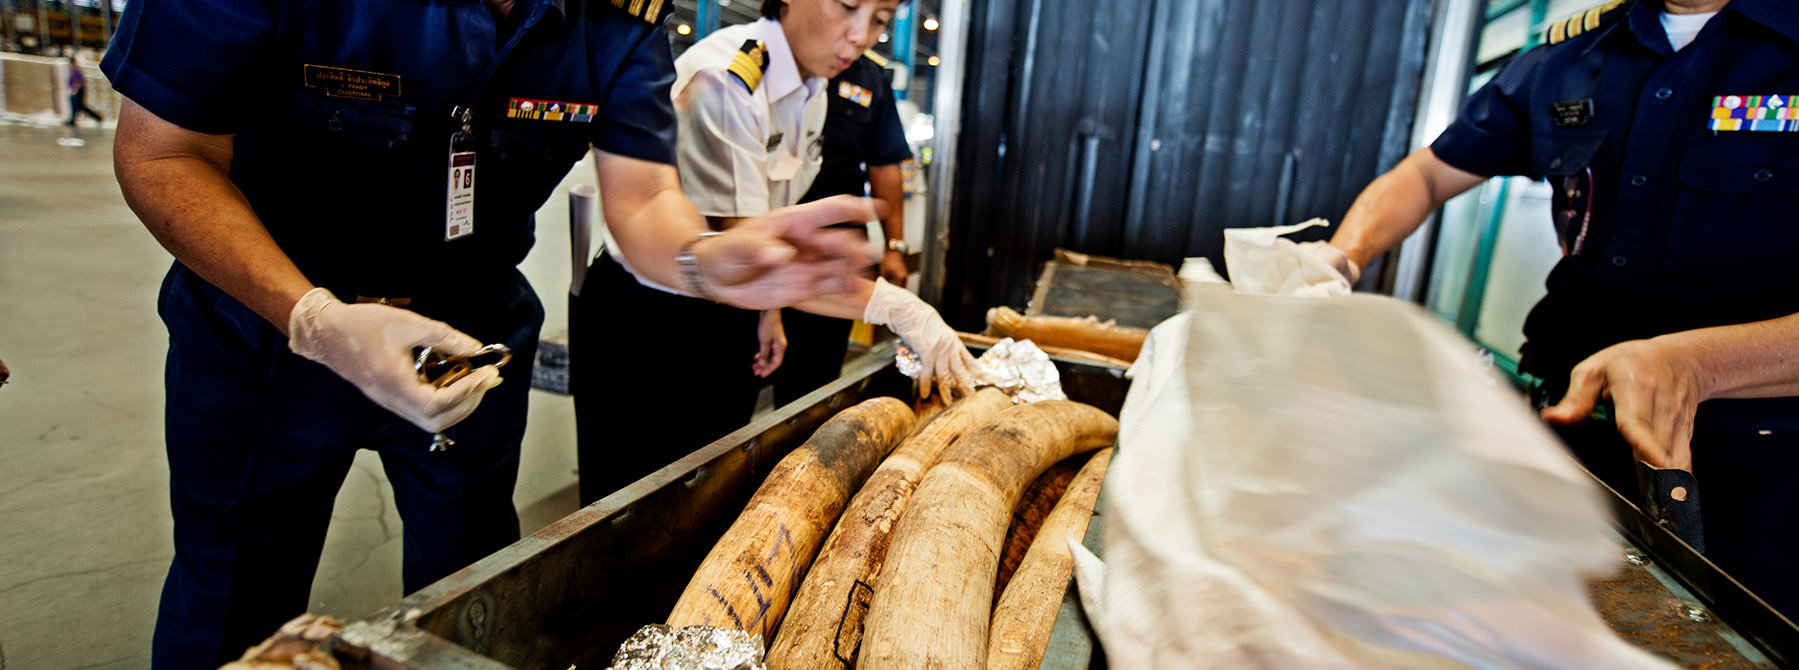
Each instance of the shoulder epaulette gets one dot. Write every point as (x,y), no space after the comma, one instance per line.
(650,11)
(877,58)
(748,64)
(1582,21)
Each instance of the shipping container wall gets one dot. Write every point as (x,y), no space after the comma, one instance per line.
(1144,129)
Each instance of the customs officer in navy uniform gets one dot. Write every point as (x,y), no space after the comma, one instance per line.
(1667,131)
(296,157)
(864,144)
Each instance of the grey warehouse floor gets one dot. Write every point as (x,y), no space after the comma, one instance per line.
(84,518)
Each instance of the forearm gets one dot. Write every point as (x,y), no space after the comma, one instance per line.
(1395,204)
(1751,360)
(647,216)
(849,305)
(183,194)
(886,185)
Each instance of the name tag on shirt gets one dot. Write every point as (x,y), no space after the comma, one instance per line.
(785,167)
(1755,113)
(343,82)
(1572,112)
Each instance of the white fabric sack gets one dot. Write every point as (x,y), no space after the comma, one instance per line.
(1337,484)
(1263,261)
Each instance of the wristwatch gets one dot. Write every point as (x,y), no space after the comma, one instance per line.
(899,245)
(690,267)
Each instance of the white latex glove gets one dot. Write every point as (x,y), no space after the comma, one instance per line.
(1264,261)
(1333,257)
(371,346)
(943,357)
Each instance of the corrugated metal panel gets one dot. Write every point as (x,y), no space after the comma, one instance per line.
(1145,133)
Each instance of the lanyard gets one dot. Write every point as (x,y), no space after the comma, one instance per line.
(459,205)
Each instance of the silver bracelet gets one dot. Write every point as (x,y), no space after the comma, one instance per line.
(690,267)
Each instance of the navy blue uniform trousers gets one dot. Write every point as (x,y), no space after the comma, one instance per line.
(260,440)
(816,346)
(655,376)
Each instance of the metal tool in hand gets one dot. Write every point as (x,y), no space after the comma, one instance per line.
(439,369)
(1670,495)
(1672,499)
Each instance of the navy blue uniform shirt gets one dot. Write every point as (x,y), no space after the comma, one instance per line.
(1684,226)
(342,111)
(862,126)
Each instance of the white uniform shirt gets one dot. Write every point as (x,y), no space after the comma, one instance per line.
(741,152)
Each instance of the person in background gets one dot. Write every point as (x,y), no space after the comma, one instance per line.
(750,100)
(296,161)
(864,144)
(78,94)
(1663,128)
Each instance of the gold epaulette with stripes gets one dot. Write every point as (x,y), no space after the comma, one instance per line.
(1582,21)
(650,11)
(748,64)
(877,58)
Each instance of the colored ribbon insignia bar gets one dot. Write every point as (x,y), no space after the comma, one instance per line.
(550,110)
(854,93)
(1755,113)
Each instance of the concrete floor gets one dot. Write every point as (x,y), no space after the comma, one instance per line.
(84,520)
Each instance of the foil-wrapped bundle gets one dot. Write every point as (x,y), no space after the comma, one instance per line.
(907,361)
(662,647)
(1017,367)
(1022,370)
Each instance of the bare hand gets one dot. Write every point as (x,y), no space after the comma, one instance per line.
(893,268)
(1655,391)
(771,338)
(787,255)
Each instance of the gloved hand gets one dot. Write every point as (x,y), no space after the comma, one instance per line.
(940,351)
(771,340)
(371,346)
(1333,257)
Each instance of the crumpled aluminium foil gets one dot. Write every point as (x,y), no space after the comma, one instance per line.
(907,361)
(1017,367)
(1022,370)
(662,647)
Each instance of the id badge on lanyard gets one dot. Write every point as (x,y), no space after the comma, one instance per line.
(459,208)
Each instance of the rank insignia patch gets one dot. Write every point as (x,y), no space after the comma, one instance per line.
(1755,113)
(748,64)
(550,110)
(650,11)
(856,94)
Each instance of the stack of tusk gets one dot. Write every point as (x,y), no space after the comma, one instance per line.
(979,340)
(1027,610)
(934,604)
(824,626)
(747,579)
(1089,334)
